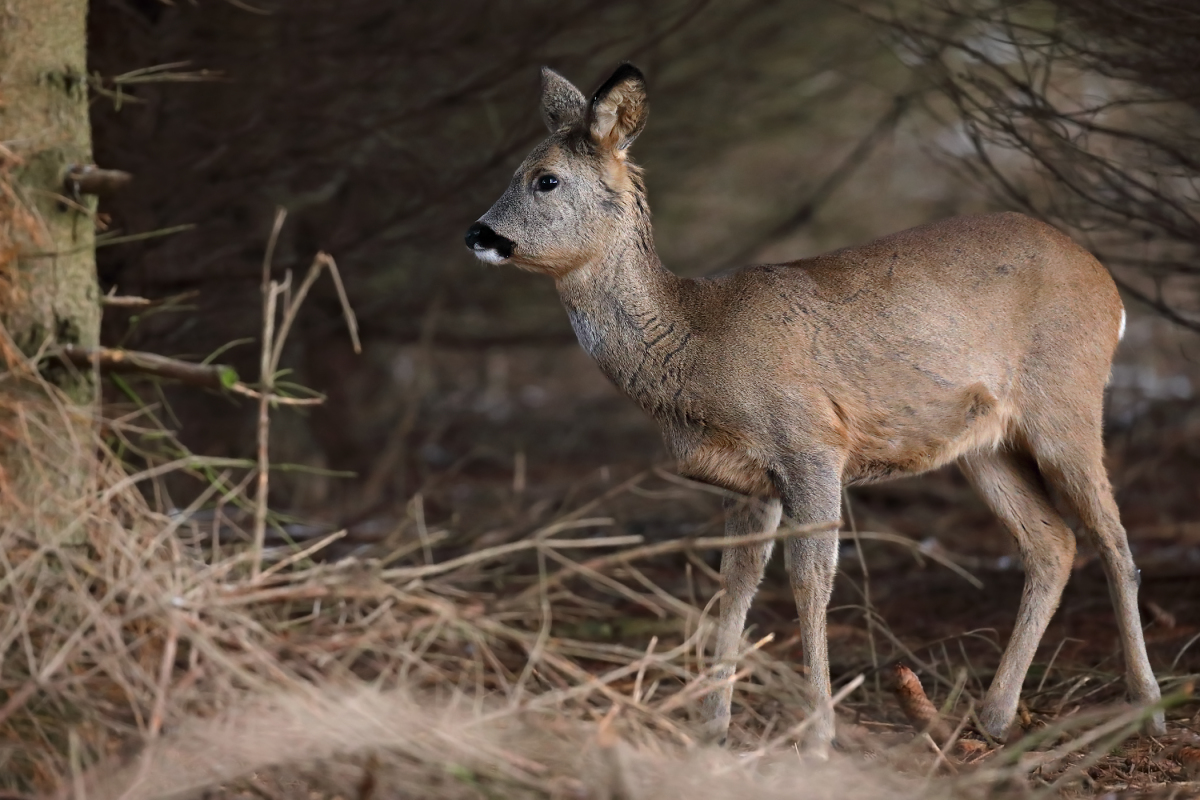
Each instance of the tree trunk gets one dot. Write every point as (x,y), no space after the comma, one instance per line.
(48,291)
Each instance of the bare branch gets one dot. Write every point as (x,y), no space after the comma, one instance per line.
(90,179)
(207,376)
(834,180)
(1088,119)
(112,359)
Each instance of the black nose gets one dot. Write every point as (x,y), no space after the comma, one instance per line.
(481,237)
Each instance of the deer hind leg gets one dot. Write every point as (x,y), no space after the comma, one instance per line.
(1013,488)
(1074,466)
(812,492)
(742,570)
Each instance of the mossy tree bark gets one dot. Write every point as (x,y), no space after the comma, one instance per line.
(48,289)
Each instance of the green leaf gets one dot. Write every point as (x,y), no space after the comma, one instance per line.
(126,389)
(215,354)
(229,376)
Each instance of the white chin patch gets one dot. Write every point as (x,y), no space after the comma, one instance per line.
(489,255)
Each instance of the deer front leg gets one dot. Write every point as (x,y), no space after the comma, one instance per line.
(812,493)
(741,571)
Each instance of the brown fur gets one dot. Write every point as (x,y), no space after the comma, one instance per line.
(984,340)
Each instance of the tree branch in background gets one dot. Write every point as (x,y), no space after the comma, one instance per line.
(825,189)
(125,301)
(112,300)
(90,179)
(112,359)
(207,376)
(1088,118)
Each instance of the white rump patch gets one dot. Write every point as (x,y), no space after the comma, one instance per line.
(1121,332)
(492,256)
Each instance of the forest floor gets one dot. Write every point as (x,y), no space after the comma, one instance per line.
(532,621)
(901,602)
(931,581)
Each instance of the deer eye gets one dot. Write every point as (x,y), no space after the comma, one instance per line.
(546,183)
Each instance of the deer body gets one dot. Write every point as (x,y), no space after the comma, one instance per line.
(875,352)
(984,340)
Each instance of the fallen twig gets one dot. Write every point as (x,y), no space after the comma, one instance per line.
(675,546)
(916,705)
(513,547)
(1189,759)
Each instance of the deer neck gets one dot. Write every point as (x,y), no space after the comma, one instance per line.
(626,312)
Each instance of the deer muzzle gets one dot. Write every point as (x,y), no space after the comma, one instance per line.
(487,245)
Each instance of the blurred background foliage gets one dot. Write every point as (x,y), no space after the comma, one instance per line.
(385,127)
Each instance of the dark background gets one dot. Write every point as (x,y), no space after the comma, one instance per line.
(386,128)
(778,130)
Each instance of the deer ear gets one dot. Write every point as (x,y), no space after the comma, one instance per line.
(563,105)
(619,109)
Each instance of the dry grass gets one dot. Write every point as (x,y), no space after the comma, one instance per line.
(149,653)
(366,742)
(127,623)
(123,622)
(146,660)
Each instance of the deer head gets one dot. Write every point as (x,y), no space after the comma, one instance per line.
(574,197)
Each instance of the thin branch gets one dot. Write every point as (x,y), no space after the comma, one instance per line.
(114,300)
(834,180)
(678,546)
(1159,306)
(208,376)
(90,179)
(270,292)
(125,301)
(113,359)
(347,310)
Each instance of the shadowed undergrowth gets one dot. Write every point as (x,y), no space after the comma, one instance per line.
(559,657)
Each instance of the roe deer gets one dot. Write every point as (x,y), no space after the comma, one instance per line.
(985,340)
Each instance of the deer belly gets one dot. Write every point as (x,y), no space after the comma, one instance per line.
(909,441)
(724,461)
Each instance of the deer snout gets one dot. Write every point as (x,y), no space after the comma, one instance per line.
(487,244)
